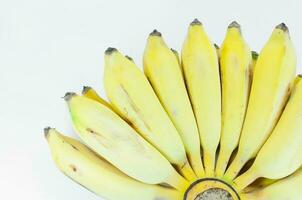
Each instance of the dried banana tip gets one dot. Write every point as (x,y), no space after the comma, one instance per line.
(85,89)
(255,55)
(195,22)
(282,27)
(155,33)
(234,24)
(174,51)
(69,96)
(46,132)
(129,58)
(110,50)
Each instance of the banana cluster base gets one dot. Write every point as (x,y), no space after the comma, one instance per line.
(210,189)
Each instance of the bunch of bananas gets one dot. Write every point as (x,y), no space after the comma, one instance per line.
(213,123)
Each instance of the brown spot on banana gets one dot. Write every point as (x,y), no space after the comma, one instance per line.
(73,167)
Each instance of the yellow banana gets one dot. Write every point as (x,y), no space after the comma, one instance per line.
(272,82)
(124,85)
(83,166)
(285,189)
(162,70)
(112,138)
(200,64)
(285,141)
(235,64)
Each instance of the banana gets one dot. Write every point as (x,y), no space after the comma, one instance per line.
(90,93)
(163,71)
(200,64)
(112,138)
(131,94)
(83,166)
(287,137)
(272,82)
(235,64)
(284,189)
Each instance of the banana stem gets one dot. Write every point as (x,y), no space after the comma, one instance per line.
(178,182)
(187,172)
(197,166)
(209,163)
(234,168)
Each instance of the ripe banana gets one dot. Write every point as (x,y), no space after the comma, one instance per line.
(162,69)
(112,138)
(287,137)
(83,166)
(272,82)
(124,85)
(235,64)
(200,65)
(284,189)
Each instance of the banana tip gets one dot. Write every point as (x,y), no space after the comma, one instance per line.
(255,55)
(282,27)
(195,22)
(85,89)
(234,24)
(69,95)
(155,33)
(110,50)
(174,51)
(129,58)
(216,46)
(46,132)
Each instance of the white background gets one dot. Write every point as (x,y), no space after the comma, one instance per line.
(48,47)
